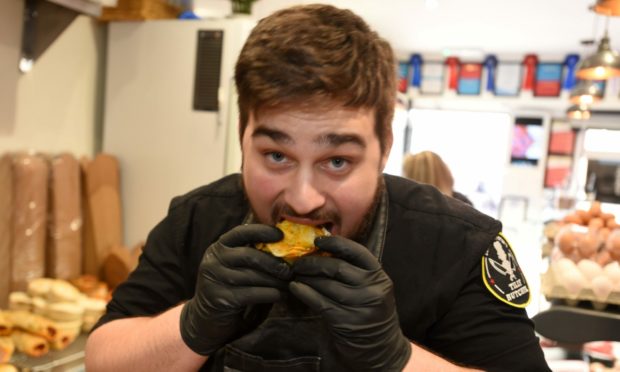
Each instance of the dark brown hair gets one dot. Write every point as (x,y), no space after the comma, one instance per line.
(312,55)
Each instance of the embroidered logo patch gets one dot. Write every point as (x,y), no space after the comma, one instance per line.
(502,275)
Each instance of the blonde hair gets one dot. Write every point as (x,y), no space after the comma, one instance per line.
(428,167)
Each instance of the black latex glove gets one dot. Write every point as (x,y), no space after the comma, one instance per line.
(355,298)
(231,277)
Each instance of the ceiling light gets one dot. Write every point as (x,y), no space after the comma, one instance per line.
(607,7)
(577,112)
(586,92)
(602,65)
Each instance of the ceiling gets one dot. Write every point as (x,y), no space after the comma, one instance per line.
(477,27)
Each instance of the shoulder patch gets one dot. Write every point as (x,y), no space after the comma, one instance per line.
(502,275)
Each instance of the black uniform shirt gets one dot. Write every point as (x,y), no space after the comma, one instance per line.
(433,254)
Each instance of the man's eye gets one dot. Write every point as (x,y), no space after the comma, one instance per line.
(337,163)
(276,157)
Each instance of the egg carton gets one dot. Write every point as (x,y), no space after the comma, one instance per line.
(553,290)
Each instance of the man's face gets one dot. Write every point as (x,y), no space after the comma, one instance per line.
(315,168)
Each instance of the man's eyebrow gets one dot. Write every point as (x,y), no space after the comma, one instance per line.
(275,135)
(335,139)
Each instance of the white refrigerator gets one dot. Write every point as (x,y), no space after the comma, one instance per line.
(170,113)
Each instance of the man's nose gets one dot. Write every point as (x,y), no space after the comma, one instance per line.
(304,194)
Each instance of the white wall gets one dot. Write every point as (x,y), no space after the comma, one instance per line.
(56,106)
(491,26)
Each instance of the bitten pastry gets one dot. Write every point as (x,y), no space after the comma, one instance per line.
(29,344)
(298,241)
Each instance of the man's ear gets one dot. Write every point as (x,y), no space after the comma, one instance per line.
(389,140)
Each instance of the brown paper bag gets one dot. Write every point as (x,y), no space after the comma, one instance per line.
(6,227)
(104,208)
(89,253)
(30,174)
(64,260)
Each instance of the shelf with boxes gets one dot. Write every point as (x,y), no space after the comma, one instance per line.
(499,83)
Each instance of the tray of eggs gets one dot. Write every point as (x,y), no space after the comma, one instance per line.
(585,259)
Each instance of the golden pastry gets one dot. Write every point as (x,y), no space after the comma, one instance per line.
(64,338)
(65,311)
(63,291)
(6,326)
(32,323)
(39,306)
(20,301)
(40,287)
(298,241)
(8,368)
(7,347)
(29,344)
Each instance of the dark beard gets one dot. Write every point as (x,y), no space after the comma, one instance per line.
(360,234)
(365,227)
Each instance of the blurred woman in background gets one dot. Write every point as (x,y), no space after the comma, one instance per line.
(428,167)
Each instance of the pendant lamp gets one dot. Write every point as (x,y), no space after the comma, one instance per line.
(585,92)
(578,112)
(602,65)
(607,7)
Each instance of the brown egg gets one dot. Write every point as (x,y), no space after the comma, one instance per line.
(584,215)
(595,209)
(603,257)
(603,233)
(565,240)
(607,216)
(576,256)
(596,223)
(612,244)
(615,257)
(588,245)
(573,218)
(611,223)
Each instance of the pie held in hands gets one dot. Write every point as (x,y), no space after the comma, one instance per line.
(298,241)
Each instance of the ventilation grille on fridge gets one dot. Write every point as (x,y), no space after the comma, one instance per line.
(207,74)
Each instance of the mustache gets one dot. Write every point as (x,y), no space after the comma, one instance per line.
(280,209)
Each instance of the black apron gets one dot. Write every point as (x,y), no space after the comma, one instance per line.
(292,338)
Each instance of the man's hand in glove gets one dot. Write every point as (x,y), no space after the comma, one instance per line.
(355,298)
(232,276)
